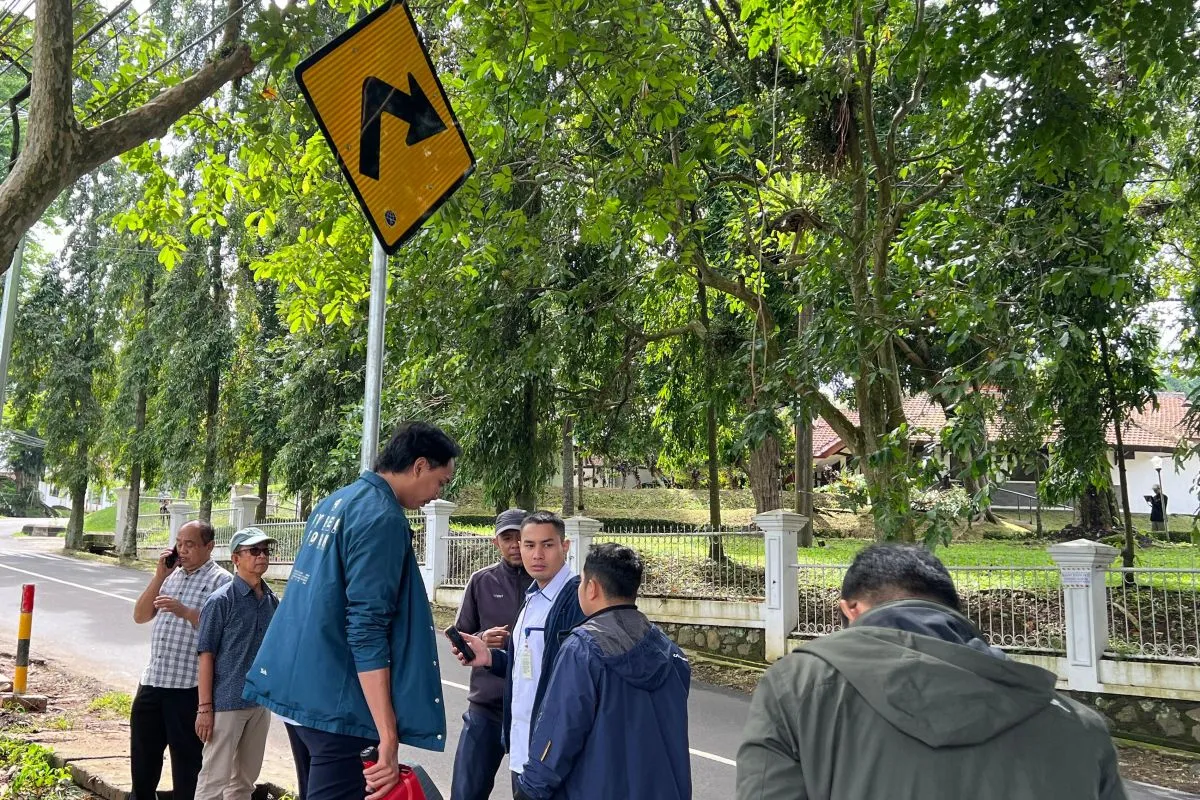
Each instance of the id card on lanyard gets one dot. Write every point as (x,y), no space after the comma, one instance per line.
(525,657)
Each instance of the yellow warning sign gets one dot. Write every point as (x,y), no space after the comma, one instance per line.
(380,104)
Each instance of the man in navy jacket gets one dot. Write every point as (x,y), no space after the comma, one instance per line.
(550,611)
(614,717)
(350,659)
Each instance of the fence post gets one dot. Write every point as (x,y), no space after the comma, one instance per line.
(580,531)
(1085,608)
(122,501)
(437,548)
(244,509)
(179,518)
(781,611)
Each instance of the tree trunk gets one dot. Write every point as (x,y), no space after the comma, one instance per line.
(127,543)
(526,491)
(208,472)
(306,500)
(1037,478)
(1118,418)
(59,150)
(804,440)
(804,473)
(765,484)
(264,484)
(568,467)
(710,416)
(74,539)
(579,477)
(1095,512)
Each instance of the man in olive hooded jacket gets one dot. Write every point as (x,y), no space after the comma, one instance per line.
(909,701)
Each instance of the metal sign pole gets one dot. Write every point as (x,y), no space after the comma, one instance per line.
(370,436)
(8,316)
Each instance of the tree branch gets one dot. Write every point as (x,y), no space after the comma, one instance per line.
(847,431)
(904,209)
(866,69)
(59,150)
(914,96)
(153,119)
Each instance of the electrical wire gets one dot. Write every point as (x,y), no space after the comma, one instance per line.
(79,41)
(168,62)
(19,17)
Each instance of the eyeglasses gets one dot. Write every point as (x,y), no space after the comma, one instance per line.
(256,551)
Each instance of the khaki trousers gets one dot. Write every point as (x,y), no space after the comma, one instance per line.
(234,754)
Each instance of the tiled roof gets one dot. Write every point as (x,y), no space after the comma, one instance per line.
(1151,428)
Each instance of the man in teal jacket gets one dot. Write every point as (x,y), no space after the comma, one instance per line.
(350,659)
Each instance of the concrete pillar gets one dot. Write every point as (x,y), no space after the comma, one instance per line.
(781,611)
(1085,608)
(122,517)
(437,548)
(179,517)
(243,511)
(580,532)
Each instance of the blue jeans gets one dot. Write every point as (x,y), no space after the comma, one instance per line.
(479,754)
(328,765)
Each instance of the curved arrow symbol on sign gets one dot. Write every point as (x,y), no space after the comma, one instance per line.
(380,97)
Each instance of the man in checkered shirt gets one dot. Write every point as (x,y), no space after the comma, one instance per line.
(164,711)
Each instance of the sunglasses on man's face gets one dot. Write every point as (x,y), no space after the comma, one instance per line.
(256,551)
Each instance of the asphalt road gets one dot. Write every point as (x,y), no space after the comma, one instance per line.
(83,617)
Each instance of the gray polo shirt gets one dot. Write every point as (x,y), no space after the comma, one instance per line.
(233,623)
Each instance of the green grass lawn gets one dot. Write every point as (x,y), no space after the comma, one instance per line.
(105,520)
(1057,520)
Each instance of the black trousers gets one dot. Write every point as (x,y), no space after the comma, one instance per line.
(480,752)
(161,719)
(328,765)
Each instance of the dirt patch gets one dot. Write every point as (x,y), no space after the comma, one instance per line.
(1152,765)
(739,679)
(67,719)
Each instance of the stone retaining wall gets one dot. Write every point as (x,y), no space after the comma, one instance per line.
(745,644)
(1173,723)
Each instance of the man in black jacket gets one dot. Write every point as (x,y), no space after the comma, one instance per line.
(491,603)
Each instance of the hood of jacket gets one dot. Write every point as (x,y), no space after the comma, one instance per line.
(630,646)
(927,671)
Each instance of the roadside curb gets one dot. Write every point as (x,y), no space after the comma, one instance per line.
(90,780)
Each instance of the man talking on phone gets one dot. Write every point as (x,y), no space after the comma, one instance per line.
(164,710)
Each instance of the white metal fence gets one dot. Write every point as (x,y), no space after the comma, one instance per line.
(466,553)
(1153,613)
(700,563)
(1016,608)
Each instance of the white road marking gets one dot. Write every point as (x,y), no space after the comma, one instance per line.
(68,583)
(711,757)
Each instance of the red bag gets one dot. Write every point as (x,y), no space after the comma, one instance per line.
(414,781)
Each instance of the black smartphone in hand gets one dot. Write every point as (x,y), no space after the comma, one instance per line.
(173,558)
(459,642)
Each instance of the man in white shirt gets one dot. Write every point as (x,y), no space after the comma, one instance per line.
(551,608)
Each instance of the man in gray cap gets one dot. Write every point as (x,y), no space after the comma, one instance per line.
(232,625)
(491,603)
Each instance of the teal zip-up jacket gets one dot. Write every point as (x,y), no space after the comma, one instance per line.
(355,602)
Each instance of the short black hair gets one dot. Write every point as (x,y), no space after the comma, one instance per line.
(615,567)
(413,440)
(546,518)
(885,572)
(207,532)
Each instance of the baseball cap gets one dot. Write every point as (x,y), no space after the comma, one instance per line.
(248,537)
(510,520)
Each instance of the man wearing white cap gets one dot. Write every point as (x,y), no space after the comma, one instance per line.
(232,625)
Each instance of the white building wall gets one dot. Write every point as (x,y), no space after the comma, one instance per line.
(1177,482)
